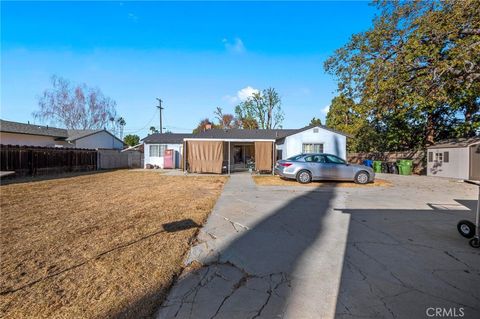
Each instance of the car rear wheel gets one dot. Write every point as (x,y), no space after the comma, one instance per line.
(304,177)
(361,177)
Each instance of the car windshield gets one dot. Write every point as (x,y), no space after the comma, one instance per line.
(295,158)
(334,159)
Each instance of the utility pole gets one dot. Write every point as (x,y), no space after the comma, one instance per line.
(160,108)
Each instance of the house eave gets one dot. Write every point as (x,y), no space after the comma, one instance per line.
(229,139)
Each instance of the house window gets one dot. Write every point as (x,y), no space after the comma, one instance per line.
(279,155)
(312,148)
(438,157)
(445,157)
(157,150)
(430,157)
(315,130)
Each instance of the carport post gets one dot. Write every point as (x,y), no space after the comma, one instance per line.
(228,169)
(273,158)
(184,156)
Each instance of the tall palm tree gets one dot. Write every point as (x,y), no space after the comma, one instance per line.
(121,121)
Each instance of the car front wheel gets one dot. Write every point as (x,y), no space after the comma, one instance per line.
(361,177)
(304,177)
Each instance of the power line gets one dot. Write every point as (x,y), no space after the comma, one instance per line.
(160,108)
(148,123)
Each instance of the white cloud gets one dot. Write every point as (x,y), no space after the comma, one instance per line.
(325,109)
(246,92)
(236,46)
(132,17)
(241,95)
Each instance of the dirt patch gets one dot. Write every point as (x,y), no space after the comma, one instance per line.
(264,180)
(95,246)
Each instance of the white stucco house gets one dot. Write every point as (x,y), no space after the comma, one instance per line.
(24,134)
(238,149)
(156,144)
(456,158)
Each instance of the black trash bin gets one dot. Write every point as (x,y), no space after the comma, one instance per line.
(392,168)
(384,167)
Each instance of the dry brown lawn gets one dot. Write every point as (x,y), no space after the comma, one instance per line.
(100,245)
(270,180)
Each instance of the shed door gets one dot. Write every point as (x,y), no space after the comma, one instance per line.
(475,162)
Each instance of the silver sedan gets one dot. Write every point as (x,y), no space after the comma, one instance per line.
(310,167)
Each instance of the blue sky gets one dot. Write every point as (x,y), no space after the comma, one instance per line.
(194,55)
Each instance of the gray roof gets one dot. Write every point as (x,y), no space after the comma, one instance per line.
(273,134)
(32,129)
(166,138)
(458,142)
(58,133)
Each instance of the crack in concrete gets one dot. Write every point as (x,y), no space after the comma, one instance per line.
(233,223)
(208,277)
(237,286)
(457,259)
(270,292)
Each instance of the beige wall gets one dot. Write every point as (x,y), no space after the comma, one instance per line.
(30,140)
(457,166)
(99,140)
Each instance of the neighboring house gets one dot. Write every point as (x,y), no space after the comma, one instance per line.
(22,134)
(225,150)
(456,158)
(156,144)
(94,139)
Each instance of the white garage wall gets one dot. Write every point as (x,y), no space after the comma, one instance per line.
(457,166)
(159,160)
(333,143)
(30,140)
(99,140)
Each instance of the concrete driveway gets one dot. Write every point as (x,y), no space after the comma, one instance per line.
(301,252)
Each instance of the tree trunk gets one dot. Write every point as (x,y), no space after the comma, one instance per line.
(470,109)
(430,129)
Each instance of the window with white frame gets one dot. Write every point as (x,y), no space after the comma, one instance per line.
(438,157)
(157,150)
(312,148)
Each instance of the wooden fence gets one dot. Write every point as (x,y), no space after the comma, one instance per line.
(418,158)
(111,159)
(32,160)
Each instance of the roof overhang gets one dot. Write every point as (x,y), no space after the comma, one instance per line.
(229,139)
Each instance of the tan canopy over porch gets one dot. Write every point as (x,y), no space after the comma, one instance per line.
(205,156)
(217,156)
(263,156)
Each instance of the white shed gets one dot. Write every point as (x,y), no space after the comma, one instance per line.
(458,158)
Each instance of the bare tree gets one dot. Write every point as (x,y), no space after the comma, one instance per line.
(225,120)
(75,106)
(264,107)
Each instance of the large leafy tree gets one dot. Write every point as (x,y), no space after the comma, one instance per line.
(203,125)
(418,67)
(315,121)
(76,106)
(132,139)
(225,120)
(262,107)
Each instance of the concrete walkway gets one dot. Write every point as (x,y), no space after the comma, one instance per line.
(300,252)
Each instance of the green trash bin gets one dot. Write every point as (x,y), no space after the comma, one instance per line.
(405,167)
(377,166)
